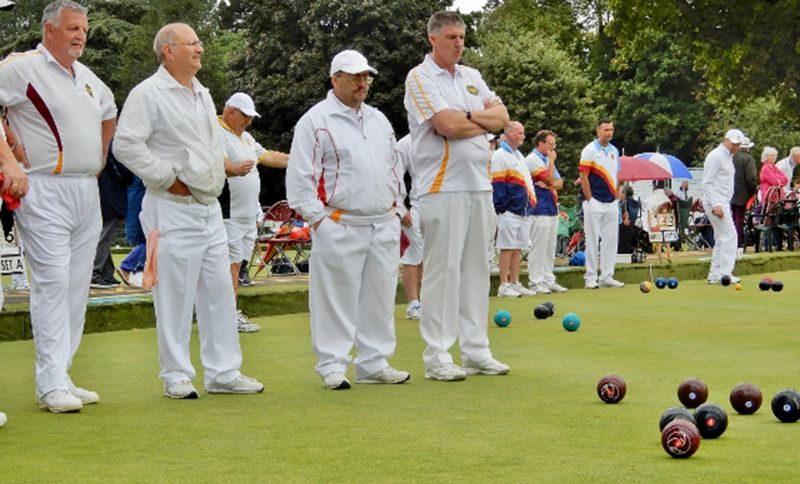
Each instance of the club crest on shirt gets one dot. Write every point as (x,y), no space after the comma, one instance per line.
(472,90)
(88,90)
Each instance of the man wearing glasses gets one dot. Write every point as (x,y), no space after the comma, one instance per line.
(169,136)
(239,198)
(344,179)
(65,116)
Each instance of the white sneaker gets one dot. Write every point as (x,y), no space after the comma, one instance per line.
(181,390)
(413,310)
(60,401)
(591,285)
(135,279)
(542,289)
(243,324)
(489,366)
(556,287)
(735,280)
(336,381)
(611,283)
(446,372)
(524,291)
(240,384)
(3,419)
(387,375)
(87,397)
(507,290)
(714,280)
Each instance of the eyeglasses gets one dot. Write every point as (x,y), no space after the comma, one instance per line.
(195,44)
(357,79)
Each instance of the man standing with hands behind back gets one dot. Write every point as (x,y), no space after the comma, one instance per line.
(598,174)
(65,117)
(169,136)
(450,111)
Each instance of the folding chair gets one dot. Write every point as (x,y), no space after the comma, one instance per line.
(272,246)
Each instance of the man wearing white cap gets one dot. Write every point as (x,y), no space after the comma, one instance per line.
(239,198)
(344,179)
(169,136)
(718,178)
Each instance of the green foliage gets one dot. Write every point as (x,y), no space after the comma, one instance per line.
(289,46)
(657,99)
(746,49)
(542,87)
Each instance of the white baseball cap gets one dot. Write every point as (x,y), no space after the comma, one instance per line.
(735,136)
(243,103)
(351,62)
(747,143)
(6,5)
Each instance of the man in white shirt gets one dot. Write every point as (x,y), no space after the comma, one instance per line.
(787,165)
(344,180)
(169,136)
(65,117)
(598,174)
(450,110)
(239,198)
(411,258)
(718,178)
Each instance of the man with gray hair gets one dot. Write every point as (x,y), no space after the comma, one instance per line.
(787,165)
(450,111)
(65,117)
(169,136)
(344,179)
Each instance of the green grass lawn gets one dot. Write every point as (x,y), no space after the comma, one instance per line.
(541,423)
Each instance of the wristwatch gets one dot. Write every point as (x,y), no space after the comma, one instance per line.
(469,114)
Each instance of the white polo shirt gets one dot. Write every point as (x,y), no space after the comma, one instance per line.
(446,165)
(56,117)
(343,164)
(408,166)
(787,165)
(244,190)
(601,164)
(166,131)
(718,177)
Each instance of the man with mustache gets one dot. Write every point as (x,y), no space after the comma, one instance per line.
(65,117)
(169,136)
(344,179)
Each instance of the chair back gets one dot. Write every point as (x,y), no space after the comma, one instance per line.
(279,212)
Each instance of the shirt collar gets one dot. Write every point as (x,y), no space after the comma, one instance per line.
(539,154)
(604,149)
(344,108)
(506,146)
(166,81)
(227,128)
(50,58)
(438,71)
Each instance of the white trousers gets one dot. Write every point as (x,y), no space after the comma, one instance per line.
(413,253)
(542,254)
(456,228)
(601,227)
(194,275)
(352,288)
(723,257)
(241,238)
(59,223)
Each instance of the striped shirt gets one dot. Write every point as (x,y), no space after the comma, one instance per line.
(446,165)
(56,116)
(601,164)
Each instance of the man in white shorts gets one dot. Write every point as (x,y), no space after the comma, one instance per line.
(450,110)
(411,258)
(169,136)
(514,201)
(65,117)
(344,179)
(544,230)
(239,198)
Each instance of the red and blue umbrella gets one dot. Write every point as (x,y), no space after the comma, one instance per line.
(633,168)
(669,163)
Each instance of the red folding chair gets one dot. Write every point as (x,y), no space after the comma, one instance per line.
(272,247)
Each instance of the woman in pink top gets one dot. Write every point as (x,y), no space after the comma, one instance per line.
(770,175)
